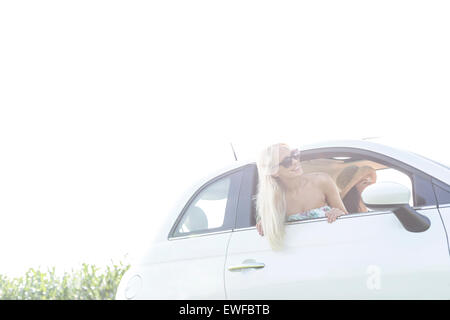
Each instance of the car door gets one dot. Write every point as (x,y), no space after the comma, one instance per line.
(189,264)
(360,256)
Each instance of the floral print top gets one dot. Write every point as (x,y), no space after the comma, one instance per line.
(310,214)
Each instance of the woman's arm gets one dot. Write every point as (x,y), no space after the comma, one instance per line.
(331,193)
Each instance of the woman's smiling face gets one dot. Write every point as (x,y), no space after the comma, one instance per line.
(289,158)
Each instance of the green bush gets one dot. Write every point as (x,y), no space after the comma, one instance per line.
(88,283)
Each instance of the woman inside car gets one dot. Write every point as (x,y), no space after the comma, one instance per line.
(285,193)
(352,181)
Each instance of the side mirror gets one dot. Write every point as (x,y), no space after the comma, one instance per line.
(391,196)
(385,196)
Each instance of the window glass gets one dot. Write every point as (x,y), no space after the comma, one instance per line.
(442,195)
(207,210)
(423,192)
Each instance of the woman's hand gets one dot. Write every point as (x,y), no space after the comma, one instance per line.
(333,214)
(259,228)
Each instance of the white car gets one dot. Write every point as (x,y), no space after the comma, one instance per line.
(209,247)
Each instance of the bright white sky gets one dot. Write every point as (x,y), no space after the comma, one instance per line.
(110,109)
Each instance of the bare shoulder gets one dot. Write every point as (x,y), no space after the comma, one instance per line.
(318,177)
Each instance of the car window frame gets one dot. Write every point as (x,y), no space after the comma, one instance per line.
(230,209)
(327,152)
(247,200)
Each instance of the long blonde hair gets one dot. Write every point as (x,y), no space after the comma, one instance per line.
(270,198)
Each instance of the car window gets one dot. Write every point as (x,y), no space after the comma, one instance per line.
(207,211)
(443,196)
(423,191)
(343,168)
(348,171)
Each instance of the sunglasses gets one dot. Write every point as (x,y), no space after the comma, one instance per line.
(287,162)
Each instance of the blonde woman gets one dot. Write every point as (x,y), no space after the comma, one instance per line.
(285,193)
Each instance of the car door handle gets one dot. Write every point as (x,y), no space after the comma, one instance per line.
(247,265)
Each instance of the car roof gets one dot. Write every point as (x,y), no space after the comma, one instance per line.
(415,160)
(423,164)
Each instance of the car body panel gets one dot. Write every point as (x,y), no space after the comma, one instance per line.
(340,261)
(445,215)
(183,268)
